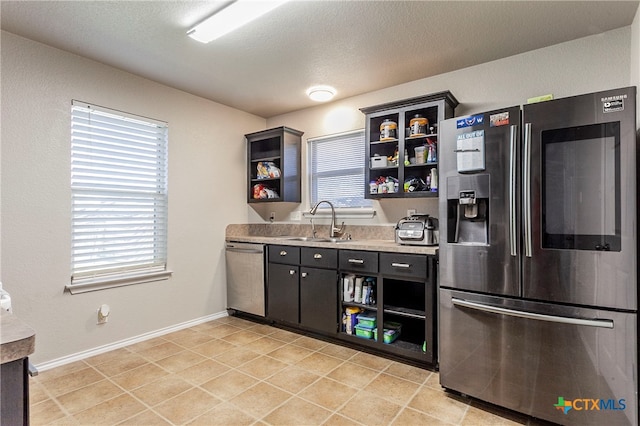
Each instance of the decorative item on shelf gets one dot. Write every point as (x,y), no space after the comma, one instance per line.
(388,130)
(261,192)
(267,169)
(418,126)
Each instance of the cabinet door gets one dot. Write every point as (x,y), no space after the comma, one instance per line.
(15,396)
(319,299)
(282,292)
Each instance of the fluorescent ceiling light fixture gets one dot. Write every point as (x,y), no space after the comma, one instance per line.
(234,16)
(321,93)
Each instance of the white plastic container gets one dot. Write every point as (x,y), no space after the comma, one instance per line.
(420,151)
(348,290)
(378,162)
(358,292)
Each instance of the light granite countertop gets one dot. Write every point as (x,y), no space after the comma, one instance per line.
(17,340)
(369,238)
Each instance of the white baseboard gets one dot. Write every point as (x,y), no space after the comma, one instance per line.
(126,342)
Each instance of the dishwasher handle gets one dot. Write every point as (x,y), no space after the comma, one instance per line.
(245,248)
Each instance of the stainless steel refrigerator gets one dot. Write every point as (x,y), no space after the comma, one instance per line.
(538,258)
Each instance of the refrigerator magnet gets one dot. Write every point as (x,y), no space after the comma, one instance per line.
(500,119)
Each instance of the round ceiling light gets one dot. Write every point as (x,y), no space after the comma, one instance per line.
(321,93)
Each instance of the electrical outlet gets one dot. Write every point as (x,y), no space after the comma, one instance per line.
(411,212)
(272,216)
(103,314)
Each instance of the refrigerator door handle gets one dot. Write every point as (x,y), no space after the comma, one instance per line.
(526,205)
(512,191)
(603,323)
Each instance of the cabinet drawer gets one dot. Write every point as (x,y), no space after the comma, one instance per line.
(319,257)
(360,261)
(405,265)
(284,254)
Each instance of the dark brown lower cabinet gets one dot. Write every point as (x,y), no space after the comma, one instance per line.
(14,383)
(283,293)
(305,291)
(318,296)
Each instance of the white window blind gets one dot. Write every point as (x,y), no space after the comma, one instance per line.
(337,169)
(119,198)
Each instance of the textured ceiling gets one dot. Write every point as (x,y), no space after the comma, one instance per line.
(264,68)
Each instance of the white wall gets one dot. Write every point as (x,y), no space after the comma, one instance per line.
(206,180)
(589,64)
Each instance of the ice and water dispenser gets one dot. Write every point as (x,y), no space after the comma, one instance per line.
(467,192)
(468,209)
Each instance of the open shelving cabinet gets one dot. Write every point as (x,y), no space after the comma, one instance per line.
(281,147)
(435,108)
(404,297)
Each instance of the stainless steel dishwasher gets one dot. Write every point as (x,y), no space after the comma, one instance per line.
(245,277)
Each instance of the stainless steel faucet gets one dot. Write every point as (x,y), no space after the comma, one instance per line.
(334,231)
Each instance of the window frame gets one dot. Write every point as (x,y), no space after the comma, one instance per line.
(343,211)
(119,170)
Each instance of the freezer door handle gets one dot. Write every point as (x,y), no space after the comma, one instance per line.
(512,191)
(603,323)
(526,205)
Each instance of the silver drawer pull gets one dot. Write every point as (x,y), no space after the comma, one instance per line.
(358,261)
(400,265)
(292,271)
(304,275)
(283,253)
(317,256)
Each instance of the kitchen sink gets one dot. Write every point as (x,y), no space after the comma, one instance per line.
(316,240)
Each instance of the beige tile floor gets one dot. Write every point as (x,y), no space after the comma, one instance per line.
(236,372)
